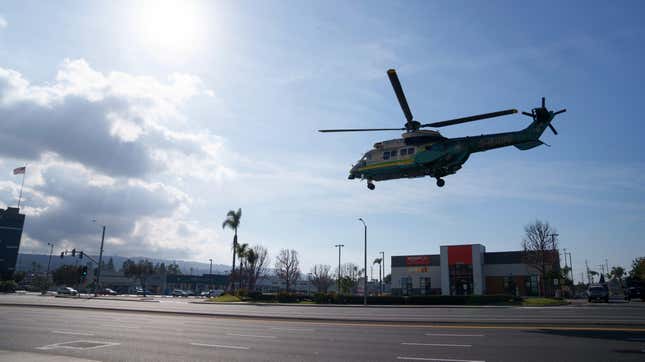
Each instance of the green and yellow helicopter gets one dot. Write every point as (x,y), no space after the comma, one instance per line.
(420,153)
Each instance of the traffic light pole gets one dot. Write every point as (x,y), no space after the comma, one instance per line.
(98,273)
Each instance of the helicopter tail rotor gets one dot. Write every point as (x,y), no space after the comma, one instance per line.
(542,114)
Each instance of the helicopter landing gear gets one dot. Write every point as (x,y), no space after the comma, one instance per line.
(370,185)
(440,182)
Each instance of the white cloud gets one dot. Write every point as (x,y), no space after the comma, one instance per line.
(3,22)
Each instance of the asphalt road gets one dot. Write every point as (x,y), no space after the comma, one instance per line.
(33,333)
(620,314)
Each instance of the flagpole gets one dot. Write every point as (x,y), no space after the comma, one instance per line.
(21,185)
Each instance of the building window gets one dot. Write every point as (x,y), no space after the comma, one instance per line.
(406,285)
(424,286)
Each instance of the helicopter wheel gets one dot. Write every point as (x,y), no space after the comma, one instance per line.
(440,182)
(371,186)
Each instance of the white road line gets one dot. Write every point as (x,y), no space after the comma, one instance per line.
(435,344)
(219,346)
(437,359)
(120,326)
(248,335)
(73,333)
(453,335)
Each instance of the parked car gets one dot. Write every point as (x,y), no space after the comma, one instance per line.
(66,291)
(179,293)
(140,291)
(108,291)
(598,292)
(215,292)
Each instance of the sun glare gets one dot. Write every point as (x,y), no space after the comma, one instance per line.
(170,26)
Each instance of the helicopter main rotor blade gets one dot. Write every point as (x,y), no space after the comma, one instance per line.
(553,129)
(470,119)
(360,130)
(398,90)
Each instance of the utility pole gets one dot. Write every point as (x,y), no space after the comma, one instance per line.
(365,260)
(570,265)
(607,264)
(339,246)
(588,275)
(382,266)
(51,250)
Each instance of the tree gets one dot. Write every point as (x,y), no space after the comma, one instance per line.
(540,246)
(110,265)
(638,269)
(232,221)
(139,271)
(387,279)
(67,275)
(287,267)
(242,250)
(255,265)
(349,277)
(173,269)
(321,278)
(617,272)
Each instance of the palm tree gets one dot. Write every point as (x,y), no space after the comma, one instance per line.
(251,259)
(242,250)
(232,221)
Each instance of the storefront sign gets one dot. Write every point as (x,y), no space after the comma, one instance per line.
(417,260)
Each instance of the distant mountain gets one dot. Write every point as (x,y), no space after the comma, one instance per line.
(38,262)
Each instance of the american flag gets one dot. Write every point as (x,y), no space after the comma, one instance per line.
(19,170)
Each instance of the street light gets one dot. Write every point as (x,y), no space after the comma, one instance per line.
(98,272)
(51,250)
(210,273)
(365,260)
(339,246)
(382,266)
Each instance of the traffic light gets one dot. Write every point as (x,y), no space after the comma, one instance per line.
(73,252)
(83,273)
(62,254)
(80,255)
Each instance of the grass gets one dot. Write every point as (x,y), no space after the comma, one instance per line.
(226,298)
(542,302)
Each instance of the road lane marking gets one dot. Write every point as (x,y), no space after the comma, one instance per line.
(248,335)
(79,345)
(453,335)
(435,344)
(219,346)
(120,326)
(75,333)
(437,359)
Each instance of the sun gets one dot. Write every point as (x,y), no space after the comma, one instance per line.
(170,26)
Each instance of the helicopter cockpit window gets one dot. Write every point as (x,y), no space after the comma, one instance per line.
(368,156)
(393,153)
(404,151)
(411,151)
(386,155)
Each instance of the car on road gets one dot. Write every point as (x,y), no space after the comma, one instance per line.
(179,293)
(634,293)
(66,291)
(108,291)
(215,293)
(598,292)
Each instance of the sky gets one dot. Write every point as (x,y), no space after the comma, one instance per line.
(156,118)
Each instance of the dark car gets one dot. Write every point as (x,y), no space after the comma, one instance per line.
(179,293)
(108,291)
(598,292)
(634,293)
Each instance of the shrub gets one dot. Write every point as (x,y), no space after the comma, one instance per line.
(8,286)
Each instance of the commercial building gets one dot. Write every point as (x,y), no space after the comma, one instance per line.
(11,223)
(469,269)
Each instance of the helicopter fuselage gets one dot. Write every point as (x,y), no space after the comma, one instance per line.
(427,153)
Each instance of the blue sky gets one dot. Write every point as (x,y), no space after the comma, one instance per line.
(212,106)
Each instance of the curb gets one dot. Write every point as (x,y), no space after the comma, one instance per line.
(258,304)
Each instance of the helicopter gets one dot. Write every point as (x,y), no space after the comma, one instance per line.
(420,152)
